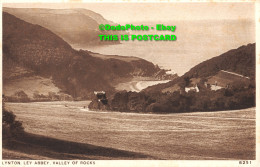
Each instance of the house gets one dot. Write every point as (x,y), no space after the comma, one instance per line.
(101,96)
(192,89)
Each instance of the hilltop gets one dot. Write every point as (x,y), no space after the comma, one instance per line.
(78,27)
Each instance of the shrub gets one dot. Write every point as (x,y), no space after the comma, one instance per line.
(10,127)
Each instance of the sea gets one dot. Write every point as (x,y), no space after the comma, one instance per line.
(196,42)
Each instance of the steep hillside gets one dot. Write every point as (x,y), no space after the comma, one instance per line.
(240,60)
(75,26)
(222,83)
(41,53)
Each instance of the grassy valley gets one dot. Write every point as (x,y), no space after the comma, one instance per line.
(87,134)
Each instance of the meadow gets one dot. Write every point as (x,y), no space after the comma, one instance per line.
(78,133)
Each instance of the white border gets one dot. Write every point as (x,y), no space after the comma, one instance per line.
(164,163)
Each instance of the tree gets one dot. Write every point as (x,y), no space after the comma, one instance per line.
(10,126)
(21,96)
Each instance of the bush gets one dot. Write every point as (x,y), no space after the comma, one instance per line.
(11,128)
(19,96)
(206,100)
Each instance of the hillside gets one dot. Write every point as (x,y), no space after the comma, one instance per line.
(240,60)
(33,51)
(225,82)
(76,26)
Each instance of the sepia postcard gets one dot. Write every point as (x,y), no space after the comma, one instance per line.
(130,83)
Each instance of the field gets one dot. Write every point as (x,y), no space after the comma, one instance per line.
(67,130)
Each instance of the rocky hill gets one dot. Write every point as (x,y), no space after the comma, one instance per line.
(33,51)
(222,83)
(76,26)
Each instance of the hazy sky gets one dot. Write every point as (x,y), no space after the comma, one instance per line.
(127,12)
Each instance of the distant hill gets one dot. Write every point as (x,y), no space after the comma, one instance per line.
(31,51)
(224,82)
(76,26)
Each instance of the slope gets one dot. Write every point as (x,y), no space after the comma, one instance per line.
(42,53)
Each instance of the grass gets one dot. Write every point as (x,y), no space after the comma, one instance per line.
(31,146)
(185,136)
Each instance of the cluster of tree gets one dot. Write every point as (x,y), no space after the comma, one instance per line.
(223,99)
(235,97)
(21,96)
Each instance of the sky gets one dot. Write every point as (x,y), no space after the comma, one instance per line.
(129,12)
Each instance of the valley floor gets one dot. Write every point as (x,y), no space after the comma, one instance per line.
(67,130)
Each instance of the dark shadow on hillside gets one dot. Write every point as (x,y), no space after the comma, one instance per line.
(63,150)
